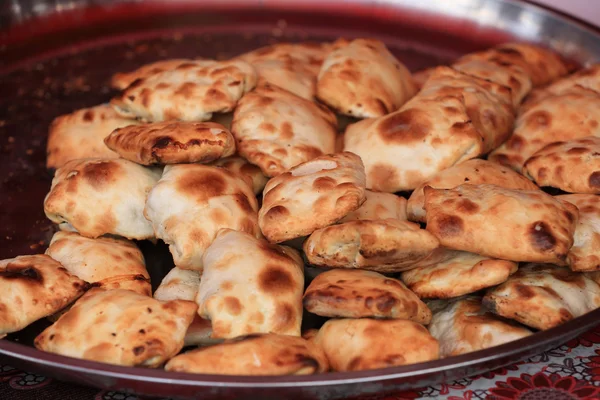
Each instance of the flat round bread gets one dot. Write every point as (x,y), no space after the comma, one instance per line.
(102,196)
(572,166)
(121,80)
(543,296)
(172,142)
(119,327)
(291,66)
(515,225)
(81,135)
(356,344)
(192,91)
(250,286)
(192,202)
(463,326)
(588,78)
(387,245)
(256,354)
(475,172)
(34,287)
(248,172)
(277,130)
(551,120)
(585,253)
(342,293)
(312,195)
(109,263)
(379,205)
(363,79)
(454,118)
(456,273)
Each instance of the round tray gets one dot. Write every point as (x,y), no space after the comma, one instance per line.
(58,56)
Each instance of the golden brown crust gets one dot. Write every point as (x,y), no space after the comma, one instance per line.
(34,287)
(516,225)
(81,135)
(121,80)
(102,196)
(291,66)
(191,91)
(513,77)
(475,172)
(588,78)
(277,130)
(312,195)
(541,65)
(119,327)
(585,253)
(463,326)
(456,273)
(572,166)
(454,118)
(250,286)
(172,142)
(543,296)
(192,202)
(107,262)
(256,354)
(363,79)
(356,344)
(551,120)
(341,293)
(380,245)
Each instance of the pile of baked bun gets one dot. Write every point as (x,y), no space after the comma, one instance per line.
(319,179)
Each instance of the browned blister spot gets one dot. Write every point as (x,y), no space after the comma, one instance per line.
(524,291)
(543,173)
(466,206)
(277,212)
(381,174)
(285,316)
(202,185)
(449,225)
(274,279)
(541,236)
(88,116)
(404,127)
(286,131)
(324,183)
(577,150)
(162,141)
(354,363)
(268,127)
(100,174)
(351,75)
(594,179)
(145,95)
(385,303)
(22,272)
(539,119)
(232,305)
(515,143)
(186,90)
